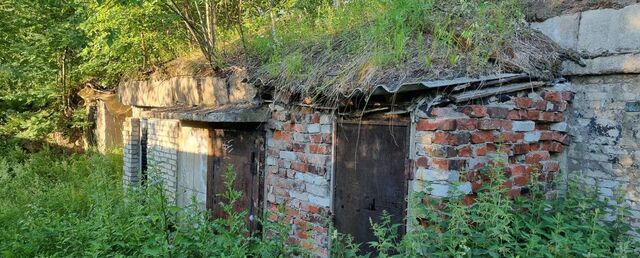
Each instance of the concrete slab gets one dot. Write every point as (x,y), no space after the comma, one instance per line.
(610,31)
(628,63)
(187,91)
(561,29)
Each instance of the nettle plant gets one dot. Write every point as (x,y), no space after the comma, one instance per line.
(576,222)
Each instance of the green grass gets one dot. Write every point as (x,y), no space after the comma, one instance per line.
(364,41)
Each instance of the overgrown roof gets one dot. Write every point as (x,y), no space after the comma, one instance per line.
(390,43)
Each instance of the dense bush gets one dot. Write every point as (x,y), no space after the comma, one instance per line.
(53,204)
(74,206)
(576,223)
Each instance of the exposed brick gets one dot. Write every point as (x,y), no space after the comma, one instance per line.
(557,106)
(422,162)
(521,180)
(567,95)
(489,124)
(482,137)
(520,148)
(281,136)
(523,102)
(448,164)
(552,116)
(475,111)
(514,192)
(466,124)
(451,138)
(561,138)
(537,156)
(315,138)
(298,147)
(444,112)
(436,124)
(440,151)
(319,149)
(540,105)
(464,151)
(554,96)
(551,146)
(519,170)
(315,118)
(498,112)
(550,166)
(468,200)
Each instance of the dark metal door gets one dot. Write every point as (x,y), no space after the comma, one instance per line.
(370,177)
(241,151)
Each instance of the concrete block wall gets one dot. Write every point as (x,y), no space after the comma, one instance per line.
(452,143)
(162,152)
(604,118)
(298,175)
(604,123)
(131,149)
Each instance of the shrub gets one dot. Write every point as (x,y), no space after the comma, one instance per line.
(576,223)
(56,205)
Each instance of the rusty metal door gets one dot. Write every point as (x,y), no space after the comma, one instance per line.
(241,151)
(370,177)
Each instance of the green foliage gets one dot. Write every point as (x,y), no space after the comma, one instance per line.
(48,48)
(578,223)
(54,205)
(124,37)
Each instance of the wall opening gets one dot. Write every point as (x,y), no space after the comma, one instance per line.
(370,176)
(143,151)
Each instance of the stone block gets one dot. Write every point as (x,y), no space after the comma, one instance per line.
(532,136)
(322,201)
(523,126)
(288,155)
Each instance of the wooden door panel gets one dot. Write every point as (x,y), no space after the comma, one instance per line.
(370,177)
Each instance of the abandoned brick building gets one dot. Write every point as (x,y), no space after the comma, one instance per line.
(338,165)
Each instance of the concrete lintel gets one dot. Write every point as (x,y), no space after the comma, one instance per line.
(242,115)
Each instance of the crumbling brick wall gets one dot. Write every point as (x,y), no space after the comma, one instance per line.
(605,126)
(452,143)
(298,165)
(162,152)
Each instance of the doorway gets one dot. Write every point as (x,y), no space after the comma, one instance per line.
(370,177)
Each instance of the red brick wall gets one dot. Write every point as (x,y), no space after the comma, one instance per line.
(298,165)
(456,141)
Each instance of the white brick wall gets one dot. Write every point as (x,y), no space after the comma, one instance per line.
(162,152)
(131,138)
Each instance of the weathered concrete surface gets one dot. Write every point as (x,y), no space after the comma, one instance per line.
(610,31)
(629,63)
(562,29)
(193,149)
(605,129)
(540,10)
(189,91)
(232,114)
(109,126)
(608,39)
